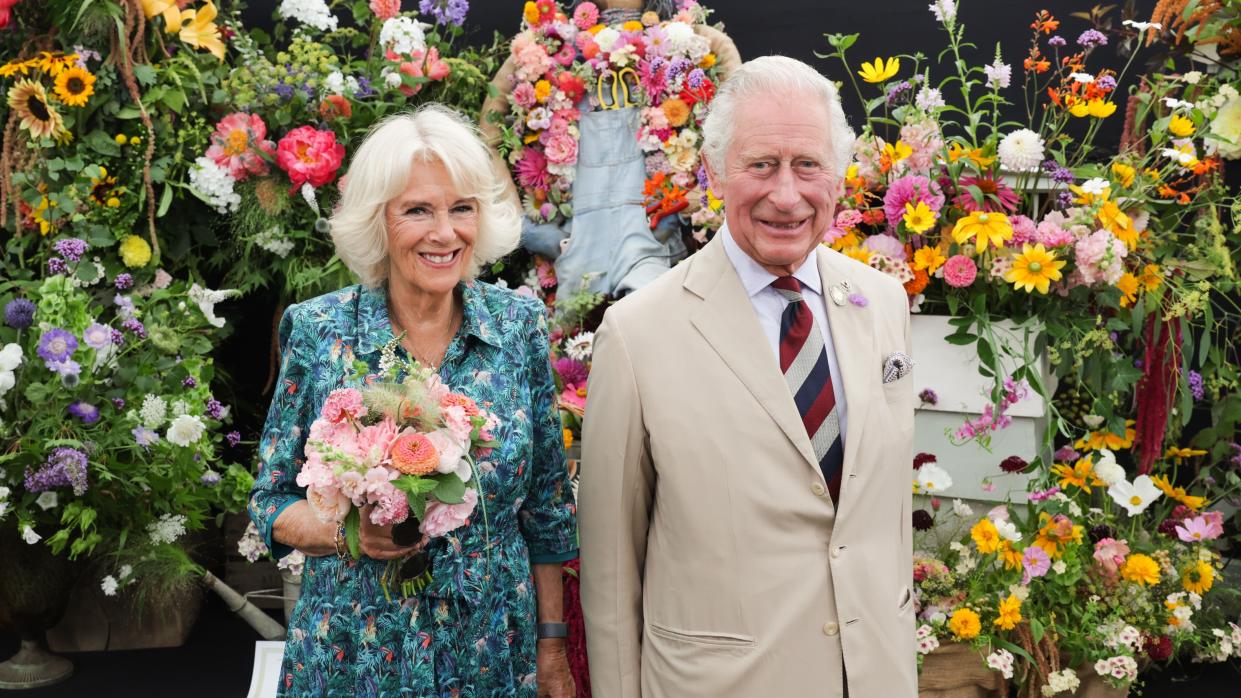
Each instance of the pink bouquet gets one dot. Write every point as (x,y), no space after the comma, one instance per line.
(404,446)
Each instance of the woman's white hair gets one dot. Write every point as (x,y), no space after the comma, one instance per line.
(380,171)
(764,78)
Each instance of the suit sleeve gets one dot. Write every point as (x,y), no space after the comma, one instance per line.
(617,489)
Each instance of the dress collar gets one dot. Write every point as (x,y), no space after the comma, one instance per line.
(375,326)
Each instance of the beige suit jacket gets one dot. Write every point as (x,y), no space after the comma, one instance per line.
(713,562)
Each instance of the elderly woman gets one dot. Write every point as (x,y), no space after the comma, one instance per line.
(423,211)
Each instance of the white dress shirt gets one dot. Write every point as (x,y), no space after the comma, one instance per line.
(769,305)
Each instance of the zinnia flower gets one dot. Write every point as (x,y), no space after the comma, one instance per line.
(879,70)
(75,86)
(984,228)
(414,454)
(29,102)
(959,271)
(1034,268)
(1141,569)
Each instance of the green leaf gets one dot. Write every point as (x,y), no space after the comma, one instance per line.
(410,484)
(165,200)
(961,339)
(417,505)
(1036,630)
(841,42)
(145,74)
(352,523)
(986,354)
(450,490)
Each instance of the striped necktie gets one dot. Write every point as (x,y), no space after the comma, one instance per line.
(803,359)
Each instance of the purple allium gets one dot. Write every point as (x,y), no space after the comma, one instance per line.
(1091,38)
(571,371)
(1056,41)
(928,397)
(19,313)
(215,408)
(135,325)
(71,249)
(118,403)
(445,12)
(233,438)
(144,436)
(97,336)
(56,265)
(1196,386)
(210,478)
(57,345)
(124,281)
(65,467)
(1066,454)
(1107,82)
(117,338)
(88,413)
(125,306)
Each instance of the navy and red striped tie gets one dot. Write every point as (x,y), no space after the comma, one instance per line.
(803,360)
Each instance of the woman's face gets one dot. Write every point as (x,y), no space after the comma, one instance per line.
(431,231)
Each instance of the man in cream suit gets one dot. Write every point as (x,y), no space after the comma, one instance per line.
(745,491)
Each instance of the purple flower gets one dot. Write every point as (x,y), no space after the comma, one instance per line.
(928,397)
(64,369)
(143,436)
(284,91)
(364,88)
(233,438)
(118,403)
(88,413)
(445,12)
(1091,38)
(1056,41)
(19,313)
(859,300)
(1107,82)
(56,265)
(210,478)
(66,467)
(125,306)
(57,345)
(1066,454)
(189,382)
(1058,173)
(124,281)
(1195,385)
(695,78)
(117,338)
(571,371)
(97,336)
(71,249)
(215,408)
(135,325)
(1043,495)
(1036,563)
(1064,199)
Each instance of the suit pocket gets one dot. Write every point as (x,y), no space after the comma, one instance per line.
(906,600)
(725,640)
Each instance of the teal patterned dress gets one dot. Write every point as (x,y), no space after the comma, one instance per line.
(472,631)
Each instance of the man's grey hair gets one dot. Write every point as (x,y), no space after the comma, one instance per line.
(764,78)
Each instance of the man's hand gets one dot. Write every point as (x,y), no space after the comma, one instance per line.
(553,677)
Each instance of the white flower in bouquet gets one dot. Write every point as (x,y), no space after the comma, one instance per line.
(1107,469)
(185,430)
(581,346)
(153,412)
(1096,186)
(214,185)
(929,99)
(945,11)
(999,74)
(1142,26)
(1008,530)
(1227,124)
(1174,103)
(1134,496)
(1001,661)
(932,478)
(109,585)
(961,509)
(251,545)
(47,500)
(1193,77)
(1021,150)
(10,357)
(1061,681)
(167,529)
(312,13)
(274,241)
(1082,78)
(403,35)
(8,379)
(293,563)
(337,83)
(30,536)
(206,299)
(927,642)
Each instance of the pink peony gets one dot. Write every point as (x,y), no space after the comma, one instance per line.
(444,518)
(561,149)
(911,189)
(385,9)
(310,156)
(1110,554)
(343,405)
(586,16)
(959,271)
(239,143)
(328,503)
(1099,257)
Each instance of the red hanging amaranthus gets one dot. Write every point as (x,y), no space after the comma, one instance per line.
(1157,389)
(576,646)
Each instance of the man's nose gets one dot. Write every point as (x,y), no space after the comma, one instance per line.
(784,195)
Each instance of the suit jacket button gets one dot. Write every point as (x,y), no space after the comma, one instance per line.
(836,552)
(830,628)
(818,489)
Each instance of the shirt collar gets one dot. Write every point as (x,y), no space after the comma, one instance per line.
(375,327)
(755,278)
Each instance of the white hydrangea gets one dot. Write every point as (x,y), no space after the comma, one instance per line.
(403,35)
(251,545)
(109,585)
(274,241)
(167,529)
(214,185)
(581,346)
(154,411)
(313,13)
(1021,151)
(185,430)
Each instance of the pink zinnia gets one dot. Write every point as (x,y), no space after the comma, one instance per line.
(546,273)
(531,170)
(385,9)
(1008,199)
(310,156)
(236,145)
(586,16)
(911,190)
(959,271)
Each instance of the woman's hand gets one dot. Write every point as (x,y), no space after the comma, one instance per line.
(553,676)
(376,541)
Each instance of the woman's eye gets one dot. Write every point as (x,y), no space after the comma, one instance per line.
(415,211)
(463,208)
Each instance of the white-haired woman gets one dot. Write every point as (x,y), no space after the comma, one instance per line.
(422,212)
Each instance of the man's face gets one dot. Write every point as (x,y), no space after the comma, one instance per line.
(778,185)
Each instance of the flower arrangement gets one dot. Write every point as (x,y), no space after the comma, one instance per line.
(401,445)
(564,65)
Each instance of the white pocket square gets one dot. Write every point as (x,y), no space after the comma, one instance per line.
(896,366)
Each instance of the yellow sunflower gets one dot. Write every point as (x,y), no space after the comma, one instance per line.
(29,101)
(1034,268)
(986,228)
(103,188)
(14,67)
(75,86)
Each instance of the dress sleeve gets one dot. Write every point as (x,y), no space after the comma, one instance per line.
(548,517)
(284,433)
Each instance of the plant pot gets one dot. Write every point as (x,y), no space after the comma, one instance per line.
(956,670)
(96,622)
(292,592)
(34,593)
(1095,686)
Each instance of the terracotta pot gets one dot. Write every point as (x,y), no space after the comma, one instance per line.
(34,593)
(955,670)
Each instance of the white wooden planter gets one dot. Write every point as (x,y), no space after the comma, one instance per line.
(952,372)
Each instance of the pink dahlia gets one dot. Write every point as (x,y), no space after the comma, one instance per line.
(959,271)
(586,16)
(310,156)
(531,170)
(996,195)
(910,190)
(239,143)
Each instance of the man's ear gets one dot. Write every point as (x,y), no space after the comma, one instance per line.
(714,181)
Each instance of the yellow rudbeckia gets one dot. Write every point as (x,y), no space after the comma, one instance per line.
(929,259)
(1128,285)
(1124,173)
(1034,268)
(878,71)
(919,218)
(985,228)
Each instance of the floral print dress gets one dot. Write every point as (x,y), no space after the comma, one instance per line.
(471,632)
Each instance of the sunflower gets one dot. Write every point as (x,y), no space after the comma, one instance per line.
(29,101)
(13,67)
(1034,268)
(103,188)
(75,86)
(56,63)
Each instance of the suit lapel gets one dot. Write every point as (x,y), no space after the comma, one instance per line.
(728,323)
(853,337)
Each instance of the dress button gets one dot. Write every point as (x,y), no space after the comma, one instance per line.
(818,489)
(836,552)
(830,628)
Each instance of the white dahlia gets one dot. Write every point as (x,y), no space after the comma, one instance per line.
(1021,150)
